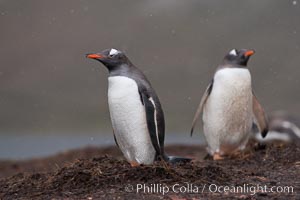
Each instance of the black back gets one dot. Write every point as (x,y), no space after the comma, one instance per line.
(119,65)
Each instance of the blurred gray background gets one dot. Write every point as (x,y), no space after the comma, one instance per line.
(53,98)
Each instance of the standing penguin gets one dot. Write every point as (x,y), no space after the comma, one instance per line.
(136,113)
(230,107)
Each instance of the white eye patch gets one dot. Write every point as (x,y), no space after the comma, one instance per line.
(233,52)
(113,52)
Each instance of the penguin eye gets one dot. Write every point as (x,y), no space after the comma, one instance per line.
(233,52)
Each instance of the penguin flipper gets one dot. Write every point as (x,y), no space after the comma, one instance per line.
(201,105)
(260,117)
(150,110)
(115,139)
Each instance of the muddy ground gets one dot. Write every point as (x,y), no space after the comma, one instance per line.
(101,173)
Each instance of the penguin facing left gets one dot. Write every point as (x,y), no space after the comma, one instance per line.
(136,113)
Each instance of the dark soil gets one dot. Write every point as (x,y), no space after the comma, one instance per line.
(101,173)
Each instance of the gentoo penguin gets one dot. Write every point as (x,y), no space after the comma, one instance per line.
(230,107)
(135,111)
(282,128)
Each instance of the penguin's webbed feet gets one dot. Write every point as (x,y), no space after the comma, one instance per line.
(217,156)
(134,164)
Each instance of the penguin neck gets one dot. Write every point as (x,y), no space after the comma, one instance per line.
(232,64)
(120,70)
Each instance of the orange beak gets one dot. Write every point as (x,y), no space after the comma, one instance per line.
(249,53)
(94,56)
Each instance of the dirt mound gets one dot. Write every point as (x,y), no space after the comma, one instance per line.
(108,177)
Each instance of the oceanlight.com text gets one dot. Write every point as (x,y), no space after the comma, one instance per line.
(206,188)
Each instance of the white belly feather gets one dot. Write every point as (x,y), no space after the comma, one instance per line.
(227,114)
(129,120)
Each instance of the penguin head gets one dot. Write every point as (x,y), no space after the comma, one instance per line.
(111,58)
(238,57)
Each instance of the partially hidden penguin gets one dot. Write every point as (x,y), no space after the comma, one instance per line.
(283,128)
(230,107)
(136,113)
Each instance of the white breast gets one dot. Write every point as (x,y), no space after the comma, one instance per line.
(227,114)
(129,120)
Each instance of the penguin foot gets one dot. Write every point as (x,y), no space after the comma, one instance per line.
(217,156)
(134,164)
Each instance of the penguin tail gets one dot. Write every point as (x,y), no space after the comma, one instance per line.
(176,159)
